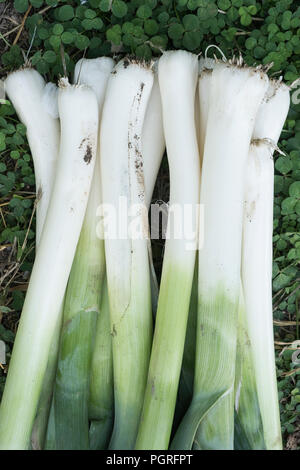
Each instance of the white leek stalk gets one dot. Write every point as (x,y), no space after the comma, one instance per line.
(153,144)
(235,96)
(36,105)
(202,101)
(127,263)
(177,73)
(94,73)
(216,431)
(78,112)
(185,392)
(50,102)
(205,72)
(83,297)
(257,255)
(153,140)
(101,401)
(28,93)
(206,66)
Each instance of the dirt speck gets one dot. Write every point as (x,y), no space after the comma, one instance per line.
(293,441)
(138,164)
(114,331)
(250,210)
(39,194)
(152,386)
(126,63)
(88,155)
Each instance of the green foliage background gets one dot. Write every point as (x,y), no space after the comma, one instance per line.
(263,31)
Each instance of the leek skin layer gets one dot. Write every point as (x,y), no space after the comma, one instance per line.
(39,429)
(248,423)
(127,333)
(72,382)
(50,441)
(101,397)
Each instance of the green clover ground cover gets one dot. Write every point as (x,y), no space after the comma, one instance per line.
(263,31)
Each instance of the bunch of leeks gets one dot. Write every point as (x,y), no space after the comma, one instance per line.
(102,370)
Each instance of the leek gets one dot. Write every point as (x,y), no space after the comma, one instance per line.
(257,256)
(185,392)
(177,73)
(127,263)
(36,105)
(153,144)
(83,297)
(153,140)
(79,118)
(30,97)
(235,95)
